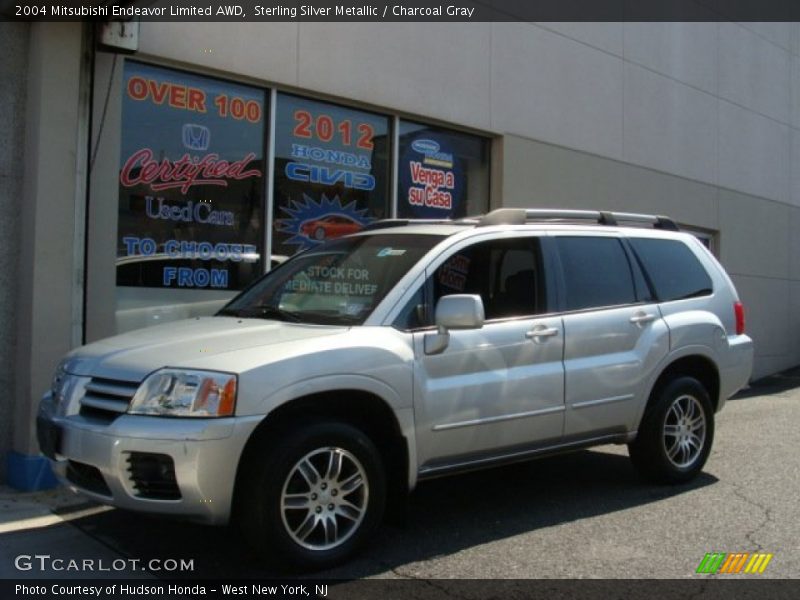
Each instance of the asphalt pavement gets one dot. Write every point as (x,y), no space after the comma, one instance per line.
(581,515)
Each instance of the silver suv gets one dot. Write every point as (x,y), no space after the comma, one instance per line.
(335,383)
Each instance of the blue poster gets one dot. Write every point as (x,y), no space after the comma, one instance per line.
(431,177)
(191,180)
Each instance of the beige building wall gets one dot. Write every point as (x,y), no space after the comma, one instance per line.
(49,281)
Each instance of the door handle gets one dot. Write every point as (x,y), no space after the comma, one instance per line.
(640,318)
(541,331)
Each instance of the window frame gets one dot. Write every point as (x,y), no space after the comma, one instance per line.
(640,262)
(547,265)
(633,269)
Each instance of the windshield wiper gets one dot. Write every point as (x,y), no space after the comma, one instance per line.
(262,311)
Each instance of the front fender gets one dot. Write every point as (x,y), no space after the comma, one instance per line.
(398,400)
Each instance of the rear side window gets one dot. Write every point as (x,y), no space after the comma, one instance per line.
(672,268)
(596,272)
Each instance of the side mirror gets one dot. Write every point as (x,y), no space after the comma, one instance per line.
(460,311)
(457,311)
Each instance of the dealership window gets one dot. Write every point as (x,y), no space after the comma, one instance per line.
(442,174)
(332,172)
(707,238)
(191,193)
(199,211)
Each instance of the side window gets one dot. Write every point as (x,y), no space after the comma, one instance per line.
(596,272)
(507,274)
(673,269)
(415,314)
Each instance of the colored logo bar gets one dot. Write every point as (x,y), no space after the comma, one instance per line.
(734,563)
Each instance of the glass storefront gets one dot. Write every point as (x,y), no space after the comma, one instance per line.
(331,172)
(443,174)
(193,185)
(191,192)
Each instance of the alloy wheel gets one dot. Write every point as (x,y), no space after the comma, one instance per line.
(324,498)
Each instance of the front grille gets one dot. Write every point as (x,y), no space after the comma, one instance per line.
(106,399)
(87,477)
(153,476)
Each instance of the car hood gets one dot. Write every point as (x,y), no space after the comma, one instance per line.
(131,356)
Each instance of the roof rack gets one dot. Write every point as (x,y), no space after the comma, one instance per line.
(520,216)
(387,223)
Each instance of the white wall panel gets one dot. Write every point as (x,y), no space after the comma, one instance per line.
(555,89)
(753,72)
(684,51)
(753,153)
(265,51)
(669,126)
(794,244)
(777,33)
(768,316)
(795,91)
(795,166)
(795,43)
(755,235)
(603,36)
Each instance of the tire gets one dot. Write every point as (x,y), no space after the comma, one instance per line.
(675,434)
(319,234)
(311,498)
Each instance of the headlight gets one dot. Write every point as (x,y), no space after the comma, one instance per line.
(59,381)
(62,388)
(185,393)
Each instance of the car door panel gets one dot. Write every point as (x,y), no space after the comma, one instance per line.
(492,388)
(608,355)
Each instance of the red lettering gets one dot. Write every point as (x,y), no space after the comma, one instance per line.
(303,127)
(197,100)
(221,168)
(184,173)
(365,139)
(177,96)
(416,196)
(431,177)
(137,88)
(158,91)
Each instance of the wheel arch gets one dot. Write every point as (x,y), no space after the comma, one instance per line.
(362,409)
(696,365)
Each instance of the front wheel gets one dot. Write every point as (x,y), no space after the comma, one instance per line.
(313,497)
(676,433)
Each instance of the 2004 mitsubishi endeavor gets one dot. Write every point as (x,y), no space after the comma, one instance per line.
(410,350)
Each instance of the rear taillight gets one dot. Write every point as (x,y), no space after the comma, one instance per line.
(738,309)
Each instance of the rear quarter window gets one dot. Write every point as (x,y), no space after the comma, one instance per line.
(672,268)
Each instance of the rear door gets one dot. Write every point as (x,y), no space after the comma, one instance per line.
(614,335)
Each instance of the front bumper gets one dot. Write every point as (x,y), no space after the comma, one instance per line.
(94,458)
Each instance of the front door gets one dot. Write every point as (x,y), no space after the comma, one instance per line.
(500,387)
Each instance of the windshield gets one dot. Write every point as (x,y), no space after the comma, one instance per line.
(339,282)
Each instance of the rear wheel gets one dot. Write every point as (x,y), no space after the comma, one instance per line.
(676,432)
(313,497)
